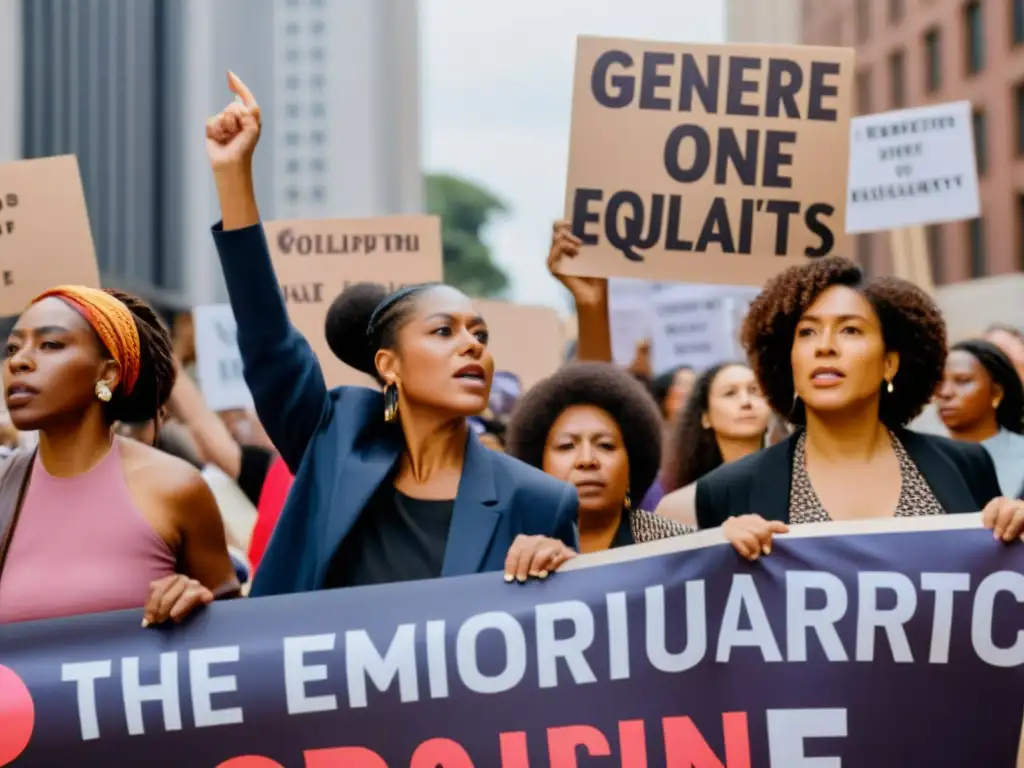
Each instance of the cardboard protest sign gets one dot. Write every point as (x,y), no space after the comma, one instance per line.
(528,341)
(218,361)
(317,259)
(707,163)
(45,238)
(912,167)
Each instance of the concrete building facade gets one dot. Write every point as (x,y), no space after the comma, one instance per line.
(127,86)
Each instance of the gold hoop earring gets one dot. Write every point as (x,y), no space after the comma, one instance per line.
(103,392)
(627,502)
(390,403)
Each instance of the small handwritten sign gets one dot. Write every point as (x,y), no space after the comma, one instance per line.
(218,361)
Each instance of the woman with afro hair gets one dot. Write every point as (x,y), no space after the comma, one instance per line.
(851,361)
(595,426)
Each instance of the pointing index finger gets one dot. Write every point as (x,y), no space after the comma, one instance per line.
(241,90)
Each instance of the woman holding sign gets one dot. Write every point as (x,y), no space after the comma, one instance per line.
(388,487)
(851,361)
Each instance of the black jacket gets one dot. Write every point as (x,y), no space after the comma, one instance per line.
(961,475)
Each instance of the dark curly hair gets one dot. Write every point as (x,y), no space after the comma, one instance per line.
(365,318)
(692,450)
(157,372)
(1010,413)
(606,386)
(912,325)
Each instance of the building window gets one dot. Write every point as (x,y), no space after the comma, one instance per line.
(974,37)
(292,83)
(316,54)
(864,252)
(1018,22)
(317,82)
(933,59)
(292,166)
(318,137)
(895,11)
(317,194)
(317,109)
(1018,98)
(291,55)
(936,256)
(317,28)
(864,92)
(292,110)
(862,21)
(293,194)
(976,246)
(980,128)
(291,29)
(896,92)
(318,165)
(291,139)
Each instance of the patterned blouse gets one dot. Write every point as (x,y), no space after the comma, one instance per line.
(647,526)
(916,497)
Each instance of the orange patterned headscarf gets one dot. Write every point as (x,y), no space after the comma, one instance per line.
(113,323)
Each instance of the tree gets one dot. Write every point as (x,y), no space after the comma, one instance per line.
(465,209)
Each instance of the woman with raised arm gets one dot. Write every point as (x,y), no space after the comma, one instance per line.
(93,522)
(388,487)
(851,360)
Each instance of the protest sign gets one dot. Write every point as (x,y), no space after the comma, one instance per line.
(912,167)
(528,341)
(893,649)
(707,163)
(316,259)
(45,238)
(218,361)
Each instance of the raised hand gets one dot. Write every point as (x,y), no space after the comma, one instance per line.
(231,136)
(586,291)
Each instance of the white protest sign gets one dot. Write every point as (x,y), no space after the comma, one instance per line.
(697,325)
(218,361)
(912,167)
(630,316)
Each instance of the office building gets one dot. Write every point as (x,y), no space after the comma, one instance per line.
(127,86)
(763,21)
(912,53)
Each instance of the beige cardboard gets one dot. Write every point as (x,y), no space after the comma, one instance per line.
(623,150)
(315,259)
(45,239)
(525,340)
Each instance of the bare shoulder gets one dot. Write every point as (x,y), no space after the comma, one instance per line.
(163,477)
(680,505)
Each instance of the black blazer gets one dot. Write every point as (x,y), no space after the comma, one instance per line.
(961,475)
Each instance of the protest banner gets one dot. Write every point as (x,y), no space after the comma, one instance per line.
(912,167)
(218,361)
(707,163)
(884,649)
(526,340)
(45,238)
(316,259)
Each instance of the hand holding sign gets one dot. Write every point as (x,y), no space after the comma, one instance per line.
(232,135)
(586,291)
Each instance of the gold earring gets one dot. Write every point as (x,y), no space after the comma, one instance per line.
(390,403)
(103,392)
(888,387)
(627,502)
(996,403)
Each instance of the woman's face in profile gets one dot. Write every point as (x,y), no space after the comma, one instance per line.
(53,364)
(966,397)
(838,355)
(442,361)
(736,407)
(585,448)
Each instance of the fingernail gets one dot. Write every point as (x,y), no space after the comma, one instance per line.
(996,535)
(542,575)
(521,579)
(767,549)
(145,623)
(508,578)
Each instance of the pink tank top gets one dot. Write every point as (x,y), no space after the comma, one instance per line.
(80,546)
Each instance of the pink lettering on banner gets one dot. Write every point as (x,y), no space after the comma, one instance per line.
(563,743)
(685,745)
(344,757)
(17,716)
(440,753)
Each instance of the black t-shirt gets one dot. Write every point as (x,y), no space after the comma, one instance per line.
(624,534)
(254,467)
(396,538)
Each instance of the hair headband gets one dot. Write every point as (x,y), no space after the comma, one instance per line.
(113,322)
(390,300)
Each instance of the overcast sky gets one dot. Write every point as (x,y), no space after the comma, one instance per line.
(497,85)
